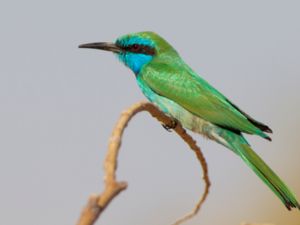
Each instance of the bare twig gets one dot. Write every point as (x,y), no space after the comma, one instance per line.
(97,203)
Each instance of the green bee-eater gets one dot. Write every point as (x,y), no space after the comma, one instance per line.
(168,82)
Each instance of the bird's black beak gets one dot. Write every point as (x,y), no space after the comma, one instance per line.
(112,47)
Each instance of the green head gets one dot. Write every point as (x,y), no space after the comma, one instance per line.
(137,49)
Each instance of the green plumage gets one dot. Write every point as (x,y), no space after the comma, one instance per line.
(168,82)
(242,148)
(178,82)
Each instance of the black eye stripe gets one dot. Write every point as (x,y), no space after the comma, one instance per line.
(143,49)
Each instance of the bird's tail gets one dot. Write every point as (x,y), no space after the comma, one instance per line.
(239,145)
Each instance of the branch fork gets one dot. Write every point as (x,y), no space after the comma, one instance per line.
(97,203)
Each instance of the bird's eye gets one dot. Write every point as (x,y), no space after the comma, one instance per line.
(135,47)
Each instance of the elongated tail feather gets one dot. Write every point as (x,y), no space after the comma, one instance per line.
(240,146)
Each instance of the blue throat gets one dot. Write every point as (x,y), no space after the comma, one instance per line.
(135,61)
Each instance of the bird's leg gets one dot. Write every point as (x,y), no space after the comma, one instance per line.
(170,126)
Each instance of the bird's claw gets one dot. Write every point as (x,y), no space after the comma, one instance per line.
(171,126)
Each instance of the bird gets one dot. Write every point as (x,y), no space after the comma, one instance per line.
(170,84)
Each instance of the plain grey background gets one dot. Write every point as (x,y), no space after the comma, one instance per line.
(59,104)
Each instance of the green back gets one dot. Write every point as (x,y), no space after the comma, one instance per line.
(172,78)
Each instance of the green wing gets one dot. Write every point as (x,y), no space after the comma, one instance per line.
(180,84)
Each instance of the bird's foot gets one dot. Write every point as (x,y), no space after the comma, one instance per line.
(170,126)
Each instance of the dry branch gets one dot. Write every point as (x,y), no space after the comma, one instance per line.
(97,203)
